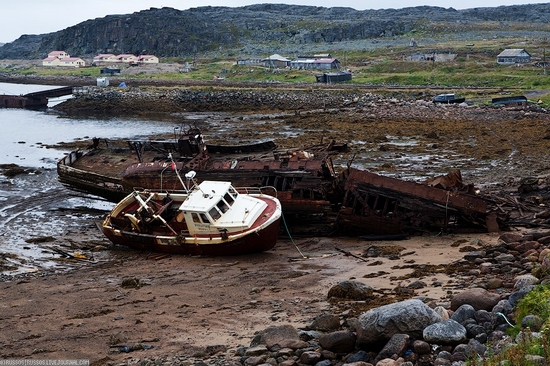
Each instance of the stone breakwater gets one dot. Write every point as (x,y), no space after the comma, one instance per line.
(413,332)
(139,100)
(135,101)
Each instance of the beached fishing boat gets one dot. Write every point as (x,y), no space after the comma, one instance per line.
(305,178)
(210,218)
(448,99)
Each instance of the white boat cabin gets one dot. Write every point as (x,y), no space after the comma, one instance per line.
(216,207)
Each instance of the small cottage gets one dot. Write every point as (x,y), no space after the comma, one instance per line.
(126,57)
(104,58)
(58,54)
(148,59)
(72,62)
(62,58)
(277,61)
(513,56)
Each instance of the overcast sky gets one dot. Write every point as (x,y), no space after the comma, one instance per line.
(18,17)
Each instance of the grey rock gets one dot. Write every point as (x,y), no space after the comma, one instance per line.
(325,322)
(310,357)
(256,351)
(352,290)
(339,342)
(473,330)
(514,297)
(532,322)
(478,298)
(324,363)
(442,312)
(463,313)
(276,335)
(397,345)
(525,280)
(536,360)
(445,332)
(406,317)
(483,316)
(254,361)
(475,347)
(442,362)
(505,257)
(421,347)
(360,356)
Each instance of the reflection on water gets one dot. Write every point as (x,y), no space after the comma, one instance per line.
(25,134)
(36,206)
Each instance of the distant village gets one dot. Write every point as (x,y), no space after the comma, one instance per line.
(63,59)
(329,65)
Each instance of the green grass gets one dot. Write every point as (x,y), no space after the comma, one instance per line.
(474,67)
(535,302)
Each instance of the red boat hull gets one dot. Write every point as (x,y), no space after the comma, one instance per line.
(259,241)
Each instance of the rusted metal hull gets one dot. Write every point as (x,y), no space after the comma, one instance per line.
(380,205)
(304,181)
(85,181)
(34,100)
(16,101)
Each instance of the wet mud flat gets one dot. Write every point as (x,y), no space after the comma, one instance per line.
(180,306)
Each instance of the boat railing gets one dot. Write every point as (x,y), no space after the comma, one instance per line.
(70,158)
(267,190)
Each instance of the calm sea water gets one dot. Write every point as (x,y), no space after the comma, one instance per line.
(36,205)
(25,132)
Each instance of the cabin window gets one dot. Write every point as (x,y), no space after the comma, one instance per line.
(196,218)
(232,192)
(229,199)
(214,213)
(222,206)
(205,219)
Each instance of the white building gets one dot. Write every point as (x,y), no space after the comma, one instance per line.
(148,59)
(62,58)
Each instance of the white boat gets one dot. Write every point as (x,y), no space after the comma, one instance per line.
(212,218)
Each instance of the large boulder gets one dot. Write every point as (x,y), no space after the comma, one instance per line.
(282,336)
(446,332)
(478,298)
(342,341)
(352,290)
(405,317)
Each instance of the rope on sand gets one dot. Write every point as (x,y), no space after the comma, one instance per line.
(291,239)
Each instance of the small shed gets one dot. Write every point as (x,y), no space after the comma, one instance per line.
(513,56)
(334,77)
(110,71)
(319,64)
(102,81)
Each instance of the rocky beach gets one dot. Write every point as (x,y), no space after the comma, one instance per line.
(311,301)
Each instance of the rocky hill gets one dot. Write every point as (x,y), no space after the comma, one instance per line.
(170,32)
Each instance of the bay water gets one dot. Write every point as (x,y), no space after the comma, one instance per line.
(37,213)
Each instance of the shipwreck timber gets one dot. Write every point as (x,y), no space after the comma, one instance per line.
(33,100)
(312,194)
(379,205)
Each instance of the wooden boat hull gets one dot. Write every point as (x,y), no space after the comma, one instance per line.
(256,242)
(195,222)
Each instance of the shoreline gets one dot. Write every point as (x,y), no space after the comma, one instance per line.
(201,308)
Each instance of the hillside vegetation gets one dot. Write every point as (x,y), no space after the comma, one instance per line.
(264,29)
(474,72)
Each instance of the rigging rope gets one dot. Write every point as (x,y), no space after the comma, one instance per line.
(290,236)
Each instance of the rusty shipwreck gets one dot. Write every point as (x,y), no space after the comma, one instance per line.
(312,193)
(304,177)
